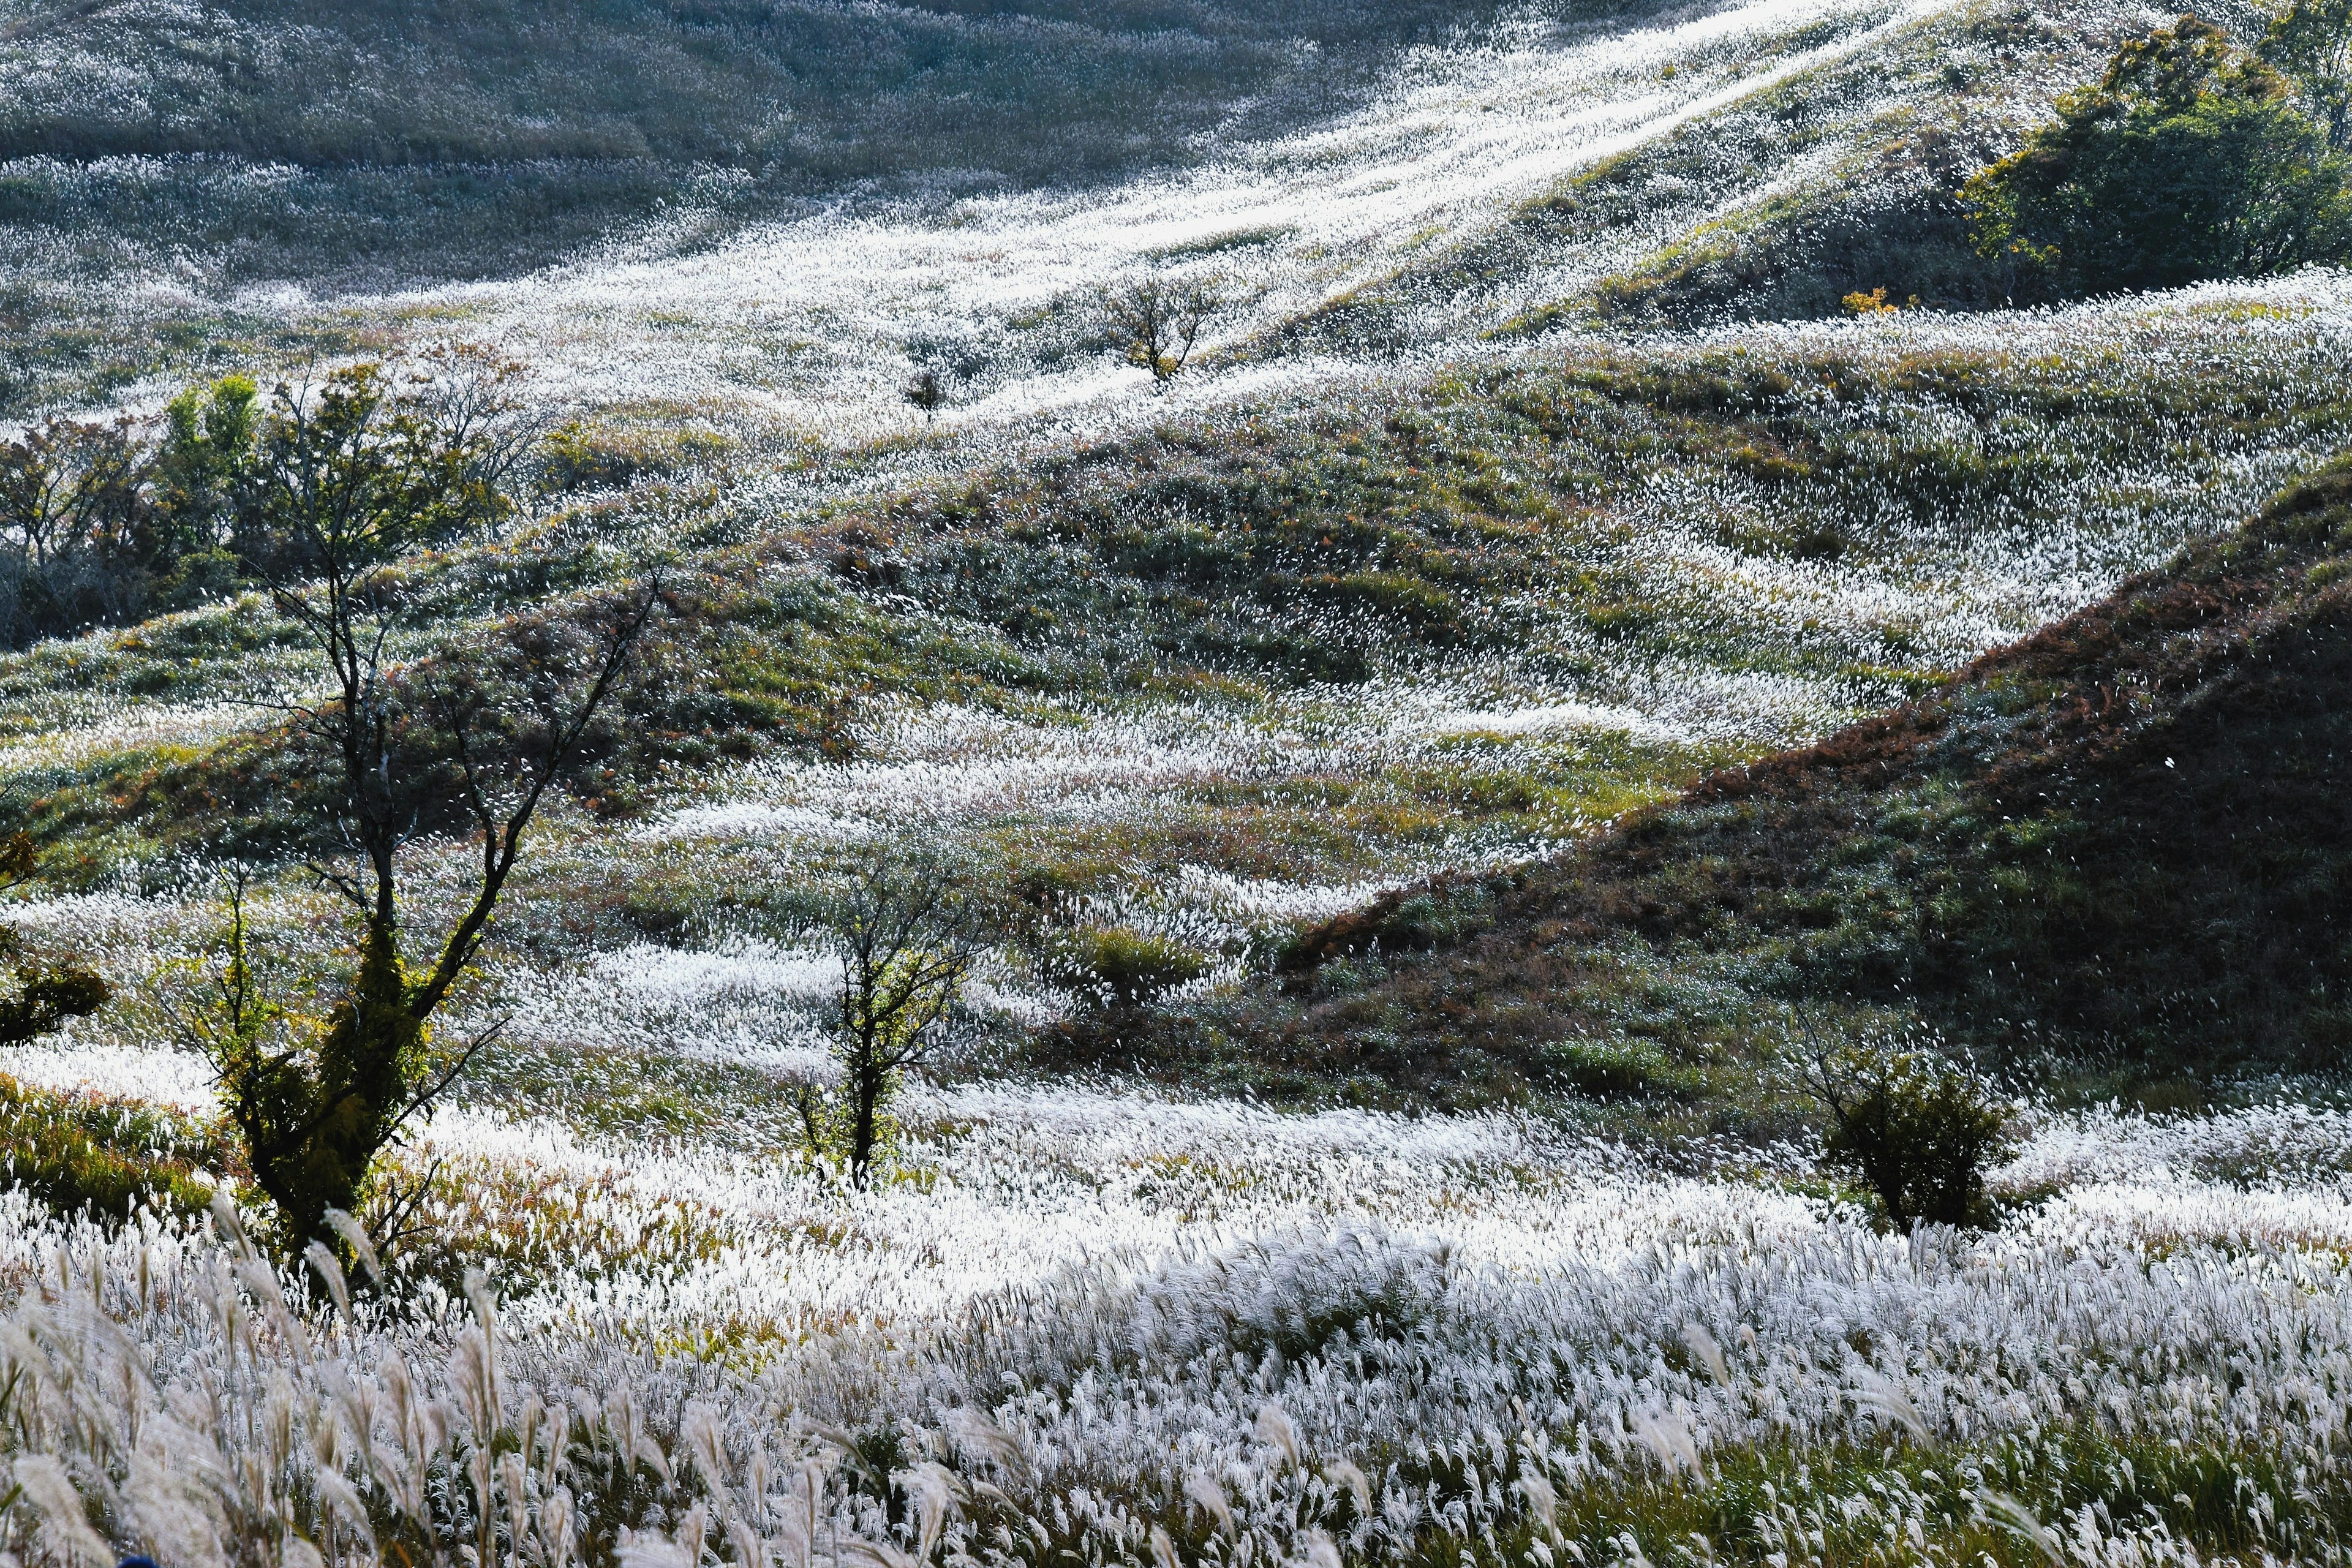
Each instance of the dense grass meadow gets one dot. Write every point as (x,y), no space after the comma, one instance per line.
(1620,600)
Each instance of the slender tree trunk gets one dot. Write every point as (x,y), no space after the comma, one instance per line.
(866,1089)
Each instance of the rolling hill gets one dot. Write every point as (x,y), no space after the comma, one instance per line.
(2110,854)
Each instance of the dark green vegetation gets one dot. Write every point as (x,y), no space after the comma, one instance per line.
(2183,161)
(45,995)
(44,992)
(2190,159)
(72,1152)
(2113,854)
(109,524)
(1920,1131)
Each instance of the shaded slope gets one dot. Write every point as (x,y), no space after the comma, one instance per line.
(420,135)
(2121,843)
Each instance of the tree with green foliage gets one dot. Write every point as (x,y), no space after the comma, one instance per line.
(110,523)
(348,474)
(2311,43)
(2189,159)
(906,926)
(344,479)
(76,527)
(201,467)
(1919,1129)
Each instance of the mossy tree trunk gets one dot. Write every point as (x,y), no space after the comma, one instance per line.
(348,479)
(371,1060)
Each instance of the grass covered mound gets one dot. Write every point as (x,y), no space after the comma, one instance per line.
(73,1152)
(1505,515)
(2115,851)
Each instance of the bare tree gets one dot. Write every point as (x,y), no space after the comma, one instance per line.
(479,737)
(471,396)
(1157,318)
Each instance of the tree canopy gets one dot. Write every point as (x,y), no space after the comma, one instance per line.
(2189,159)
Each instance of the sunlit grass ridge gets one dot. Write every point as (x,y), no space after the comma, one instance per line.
(1587,1358)
(1490,518)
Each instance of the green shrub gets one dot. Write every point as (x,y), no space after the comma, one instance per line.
(1437,914)
(45,995)
(1118,967)
(1918,1128)
(1615,1069)
(2188,160)
(76,1152)
(578,455)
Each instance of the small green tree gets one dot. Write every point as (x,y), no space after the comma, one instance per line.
(108,523)
(201,467)
(928,391)
(1919,1129)
(2188,160)
(347,480)
(908,929)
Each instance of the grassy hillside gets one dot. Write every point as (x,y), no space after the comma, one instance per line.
(1842,177)
(1398,197)
(1419,728)
(2111,853)
(159,162)
(1847,517)
(1212,681)
(298,138)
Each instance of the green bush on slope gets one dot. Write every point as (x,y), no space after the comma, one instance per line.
(72,1152)
(2189,159)
(1918,1128)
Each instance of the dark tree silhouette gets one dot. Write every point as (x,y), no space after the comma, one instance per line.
(349,478)
(928,391)
(1157,320)
(43,995)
